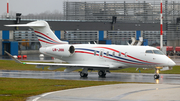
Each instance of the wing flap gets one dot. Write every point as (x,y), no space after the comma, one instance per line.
(68,65)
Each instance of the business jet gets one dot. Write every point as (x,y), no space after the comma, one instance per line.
(94,56)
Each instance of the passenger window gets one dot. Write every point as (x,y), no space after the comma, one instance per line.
(119,53)
(125,54)
(149,51)
(113,53)
(95,53)
(107,54)
(101,53)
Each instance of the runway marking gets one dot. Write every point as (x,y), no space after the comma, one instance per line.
(36,99)
(123,95)
(43,95)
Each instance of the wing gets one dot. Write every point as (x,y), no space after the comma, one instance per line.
(57,65)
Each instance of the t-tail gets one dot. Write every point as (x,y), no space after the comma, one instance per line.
(43,32)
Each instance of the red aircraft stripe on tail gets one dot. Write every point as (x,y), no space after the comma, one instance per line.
(46,36)
(46,42)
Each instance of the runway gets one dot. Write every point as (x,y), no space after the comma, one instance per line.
(93,76)
(117,92)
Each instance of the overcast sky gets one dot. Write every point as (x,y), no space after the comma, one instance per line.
(31,6)
(38,6)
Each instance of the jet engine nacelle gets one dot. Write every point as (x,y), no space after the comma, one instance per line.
(61,50)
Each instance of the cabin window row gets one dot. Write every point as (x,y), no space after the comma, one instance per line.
(107,53)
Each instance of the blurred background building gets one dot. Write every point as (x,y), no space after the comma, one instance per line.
(107,22)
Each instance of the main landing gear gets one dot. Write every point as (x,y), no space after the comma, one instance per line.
(156,76)
(102,73)
(84,72)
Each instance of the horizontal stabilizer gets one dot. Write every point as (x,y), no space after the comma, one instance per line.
(43,32)
(31,24)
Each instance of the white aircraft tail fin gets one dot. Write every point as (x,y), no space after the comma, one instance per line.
(42,30)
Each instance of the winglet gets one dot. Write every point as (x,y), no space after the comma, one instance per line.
(16,60)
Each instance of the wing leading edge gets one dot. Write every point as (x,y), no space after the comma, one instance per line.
(57,65)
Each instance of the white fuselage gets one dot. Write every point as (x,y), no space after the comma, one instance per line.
(115,56)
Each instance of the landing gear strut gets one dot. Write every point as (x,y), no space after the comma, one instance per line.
(102,73)
(156,76)
(84,72)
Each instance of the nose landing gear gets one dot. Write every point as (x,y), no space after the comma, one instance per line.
(156,76)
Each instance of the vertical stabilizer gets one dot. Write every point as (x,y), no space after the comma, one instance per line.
(43,32)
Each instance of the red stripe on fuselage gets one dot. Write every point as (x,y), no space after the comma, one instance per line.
(84,52)
(124,54)
(109,58)
(123,61)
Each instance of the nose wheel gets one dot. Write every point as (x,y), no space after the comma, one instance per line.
(156,76)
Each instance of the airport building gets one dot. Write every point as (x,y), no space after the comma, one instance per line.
(103,22)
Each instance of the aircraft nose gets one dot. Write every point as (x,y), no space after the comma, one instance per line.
(171,63)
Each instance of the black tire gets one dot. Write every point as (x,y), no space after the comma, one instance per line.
(156,76)
(83,74)
(102,73)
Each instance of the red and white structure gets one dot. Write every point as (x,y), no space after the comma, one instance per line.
(161,27)
(7,9)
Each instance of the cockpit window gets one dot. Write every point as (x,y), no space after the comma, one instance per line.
(149,51)
(155,52)
(158,52)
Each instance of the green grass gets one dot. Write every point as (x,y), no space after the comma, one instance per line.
(175,70)
(12,65)
(19,89)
